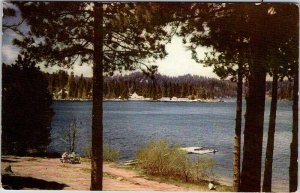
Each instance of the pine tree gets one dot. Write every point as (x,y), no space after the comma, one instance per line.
(80,86)
(281,64)
(26,108)
(253,40)
(118,35)
(72,86)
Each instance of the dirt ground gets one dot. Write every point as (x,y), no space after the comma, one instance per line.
(49,173)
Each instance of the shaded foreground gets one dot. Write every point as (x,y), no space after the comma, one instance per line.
(49,173)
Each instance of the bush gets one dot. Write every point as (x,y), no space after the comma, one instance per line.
(110,154)
(159,158)
(203,169)
(88,151)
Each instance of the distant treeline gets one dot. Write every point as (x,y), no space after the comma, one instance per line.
(285,89)
(186,86)
(65,86)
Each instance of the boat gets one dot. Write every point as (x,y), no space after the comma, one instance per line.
(198,150)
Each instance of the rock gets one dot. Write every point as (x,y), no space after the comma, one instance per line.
(211,186)
(8,169)
(120,179)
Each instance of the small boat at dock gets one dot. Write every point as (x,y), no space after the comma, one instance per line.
(198,150)
(130,162)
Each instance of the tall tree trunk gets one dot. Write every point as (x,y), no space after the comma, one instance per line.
(97,125)
(237,137)
(267,184)
(254,120)
(293,170)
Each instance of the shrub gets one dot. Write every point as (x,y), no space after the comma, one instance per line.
(203,169)
(159,158)
(88,151)
(110,154)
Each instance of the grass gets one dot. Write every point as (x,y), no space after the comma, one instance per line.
(33,159)
(200,186)
(85,159)
(65,166)
(87,170)
(110,154)
(108,175)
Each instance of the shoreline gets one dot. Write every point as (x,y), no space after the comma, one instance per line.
(147,100)
(219,100)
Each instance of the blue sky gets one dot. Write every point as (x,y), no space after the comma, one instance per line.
(177,62)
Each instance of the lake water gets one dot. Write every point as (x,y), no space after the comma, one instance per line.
(128,125)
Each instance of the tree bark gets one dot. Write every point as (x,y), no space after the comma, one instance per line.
(267,183)
(293,170)
(237,137)
(254,120)
(97,125)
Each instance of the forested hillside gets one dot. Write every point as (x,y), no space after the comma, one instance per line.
(65,86)
(186,86)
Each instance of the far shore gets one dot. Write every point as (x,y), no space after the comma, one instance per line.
(164,99)
(148,100)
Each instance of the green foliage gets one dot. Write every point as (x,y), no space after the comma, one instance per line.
(65,86)
(72,86)
(186,86)
(26,111)
(130,33)
(192,87)
(88,151)
(159,158)
(247,23)
(9,12)
(180,87)
(110,154)
(150,72)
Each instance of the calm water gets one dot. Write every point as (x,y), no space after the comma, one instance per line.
(127,125)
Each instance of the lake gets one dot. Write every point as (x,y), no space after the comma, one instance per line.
(130,124)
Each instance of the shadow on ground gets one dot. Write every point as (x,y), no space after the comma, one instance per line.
(19,182)
(7,161)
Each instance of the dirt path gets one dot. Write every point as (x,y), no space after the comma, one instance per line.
(134,181)
(45,173)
